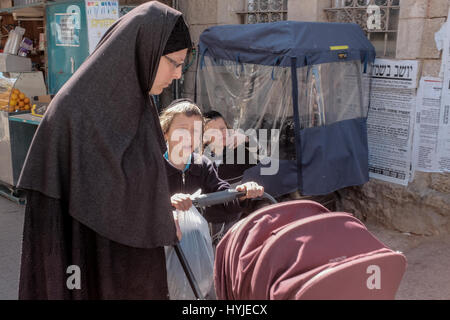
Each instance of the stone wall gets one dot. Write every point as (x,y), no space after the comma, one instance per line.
(308,10)
(423,207)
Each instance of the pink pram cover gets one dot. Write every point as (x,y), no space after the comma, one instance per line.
(276,251)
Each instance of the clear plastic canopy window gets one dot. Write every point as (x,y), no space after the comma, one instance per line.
(251,96)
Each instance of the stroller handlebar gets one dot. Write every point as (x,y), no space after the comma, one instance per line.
(210,199)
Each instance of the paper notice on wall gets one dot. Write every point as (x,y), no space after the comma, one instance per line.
(431,149)
(100,16)
(444,141)
(444,123)
(390,120)
(441,38)
(426,131)
(389,73)
(67,30)
(443,145)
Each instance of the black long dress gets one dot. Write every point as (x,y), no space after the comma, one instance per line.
(98,195)
(53,241)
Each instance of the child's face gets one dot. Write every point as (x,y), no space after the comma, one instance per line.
(216,124)
(184,136)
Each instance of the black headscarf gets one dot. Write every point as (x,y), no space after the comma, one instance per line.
(179,38)
(100,147)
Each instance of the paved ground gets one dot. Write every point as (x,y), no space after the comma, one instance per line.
(428,272)
(11,223)
(427,275)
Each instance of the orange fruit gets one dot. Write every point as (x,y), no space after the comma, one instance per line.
(16,91)
(14,96)
(21,104)
(21,96)
(27,107)
(26,100)
(13,103)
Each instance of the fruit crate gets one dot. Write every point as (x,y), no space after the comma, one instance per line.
(17,90)
(12,99)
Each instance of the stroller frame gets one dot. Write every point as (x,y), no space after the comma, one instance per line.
(207,200)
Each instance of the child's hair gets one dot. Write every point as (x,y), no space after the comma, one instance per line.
(213,115)
(180,106)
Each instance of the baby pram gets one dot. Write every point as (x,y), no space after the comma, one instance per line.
(300,250)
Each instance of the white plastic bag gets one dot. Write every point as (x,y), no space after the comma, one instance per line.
(197,247)
(14,38)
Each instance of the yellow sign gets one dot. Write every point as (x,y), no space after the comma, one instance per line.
(338,48)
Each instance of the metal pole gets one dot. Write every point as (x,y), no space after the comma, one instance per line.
(176,83)
(187,270)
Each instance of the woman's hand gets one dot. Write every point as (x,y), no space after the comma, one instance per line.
(252,190)
(181,201)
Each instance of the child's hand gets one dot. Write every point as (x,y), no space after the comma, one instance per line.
(252,189)
(181,201)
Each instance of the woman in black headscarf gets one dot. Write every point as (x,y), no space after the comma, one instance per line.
(98,208)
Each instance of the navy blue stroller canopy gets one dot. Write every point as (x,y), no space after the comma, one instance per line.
(301,90)
(265,43)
